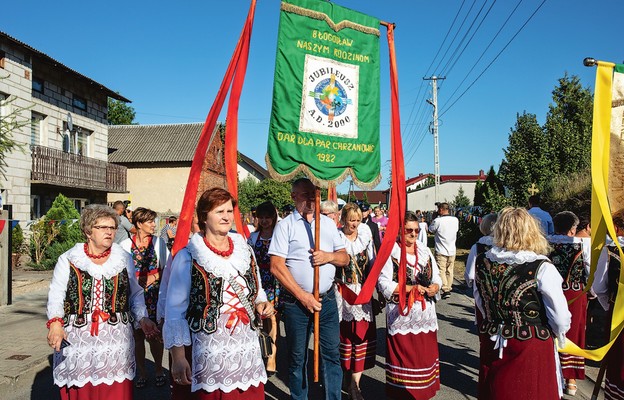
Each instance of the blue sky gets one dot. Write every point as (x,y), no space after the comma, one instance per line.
(169,59)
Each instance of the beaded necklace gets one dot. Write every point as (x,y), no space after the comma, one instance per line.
(223,254)
(96,256)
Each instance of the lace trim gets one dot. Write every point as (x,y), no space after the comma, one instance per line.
(221,267)
(176,333)
(364,237)
(503,256)
(486,240)
(563,239)
(417,321)
(116,262)
(359,312)
(423,254)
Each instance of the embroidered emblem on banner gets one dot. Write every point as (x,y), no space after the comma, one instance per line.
(329,104)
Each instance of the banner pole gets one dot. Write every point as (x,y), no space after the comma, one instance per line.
(317,247)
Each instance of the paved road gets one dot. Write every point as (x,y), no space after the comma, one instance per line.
(458,347)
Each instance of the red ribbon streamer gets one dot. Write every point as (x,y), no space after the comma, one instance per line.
(331,192)
(240,315)
(190,196)
(397,199)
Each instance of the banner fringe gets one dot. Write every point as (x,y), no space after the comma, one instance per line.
(302,168)
(293,9)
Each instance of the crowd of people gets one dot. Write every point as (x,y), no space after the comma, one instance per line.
(216,306)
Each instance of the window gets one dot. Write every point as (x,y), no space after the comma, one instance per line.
(79,103)
(35,207)
(36,128)
(37,84)
(77,140)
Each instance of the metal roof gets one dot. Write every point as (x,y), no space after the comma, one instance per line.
(51,61)
(159,144)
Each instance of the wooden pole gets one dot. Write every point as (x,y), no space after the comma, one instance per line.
(317,247)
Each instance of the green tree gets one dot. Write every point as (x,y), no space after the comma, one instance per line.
(526,158)
(120,113)
(478,198)
(568,127)
(494,201)
(461,200)
(247,194)
(10,122)
(492,182)
(276,192)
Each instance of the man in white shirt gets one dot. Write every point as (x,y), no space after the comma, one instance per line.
(445,228)
(542,216)
(292,259)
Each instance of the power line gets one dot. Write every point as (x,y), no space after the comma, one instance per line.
(448,62)
(455,37)
(469,40)
(495,58)
(486,49)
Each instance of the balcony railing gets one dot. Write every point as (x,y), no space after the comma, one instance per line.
(56,167)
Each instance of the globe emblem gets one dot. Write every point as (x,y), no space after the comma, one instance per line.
(330,97)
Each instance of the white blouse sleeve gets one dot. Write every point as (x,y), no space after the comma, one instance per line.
(136,295)
(385,284)
(435,273)
(176,331)
(601,279)
(469,274)
(162,290)
(549,285)
(370,252)
(58,288)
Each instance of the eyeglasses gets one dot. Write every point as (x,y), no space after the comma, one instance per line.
(104,228)
(327,214)
(410,230)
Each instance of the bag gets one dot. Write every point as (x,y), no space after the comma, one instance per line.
(266,342)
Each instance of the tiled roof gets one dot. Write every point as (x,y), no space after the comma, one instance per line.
(372,196)
(51,61)
(153,143)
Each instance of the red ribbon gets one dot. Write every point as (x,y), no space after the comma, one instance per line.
(190,195)
(416,296)
(240,315)
(95,321)
(397,200)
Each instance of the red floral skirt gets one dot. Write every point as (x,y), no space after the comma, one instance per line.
(253,393)
(118,391)
(573,367)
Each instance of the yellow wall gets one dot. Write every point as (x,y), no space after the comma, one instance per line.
(159,189)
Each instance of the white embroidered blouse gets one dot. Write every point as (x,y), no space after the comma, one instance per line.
(109,356)
(363,242)
(417,320)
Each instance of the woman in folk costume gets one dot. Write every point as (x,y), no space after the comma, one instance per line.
(94,297)
(605,286)
(149,255)
(213,297)
(412,360)
(358,338)
(519,293)
(571,257)
(260,240)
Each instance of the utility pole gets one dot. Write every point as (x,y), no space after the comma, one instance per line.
(434,129)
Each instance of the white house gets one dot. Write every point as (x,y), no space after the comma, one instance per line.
(421,197)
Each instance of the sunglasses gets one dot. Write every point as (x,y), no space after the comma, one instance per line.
(411,230)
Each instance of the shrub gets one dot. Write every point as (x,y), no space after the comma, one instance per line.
(17,239)
(55,233)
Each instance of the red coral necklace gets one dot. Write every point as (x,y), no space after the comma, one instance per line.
(96,256)
(223,254)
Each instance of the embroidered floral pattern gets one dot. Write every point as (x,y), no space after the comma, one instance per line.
(512,304)
(568,259)
(270,285)
(146,264)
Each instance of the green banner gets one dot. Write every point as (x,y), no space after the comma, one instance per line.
(325,114)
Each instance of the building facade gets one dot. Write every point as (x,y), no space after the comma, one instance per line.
(59,117)
(158,160)
(421,196)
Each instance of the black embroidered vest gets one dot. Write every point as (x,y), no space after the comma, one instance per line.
(511,301)
(356,271)
(482,248)
(613,273)
(422,278)
(568,258)
(79,297)
(206,297)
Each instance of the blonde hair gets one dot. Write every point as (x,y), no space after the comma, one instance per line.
(349,208)
(517,230)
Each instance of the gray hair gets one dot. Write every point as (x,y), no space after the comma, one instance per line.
(92,213)
(329,206)
(487,224)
